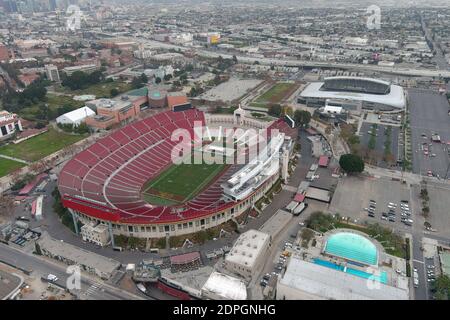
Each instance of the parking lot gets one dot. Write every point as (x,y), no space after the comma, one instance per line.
(380,138)
(353,196)
(428,115)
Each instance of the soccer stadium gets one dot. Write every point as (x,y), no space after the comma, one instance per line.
(370,93)
(128,181)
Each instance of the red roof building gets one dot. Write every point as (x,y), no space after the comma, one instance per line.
(323,161)
(299,197)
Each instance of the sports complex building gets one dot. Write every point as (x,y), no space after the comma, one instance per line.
(128,181)
(344,264)
(354,92)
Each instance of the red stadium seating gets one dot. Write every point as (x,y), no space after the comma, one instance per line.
(113,171)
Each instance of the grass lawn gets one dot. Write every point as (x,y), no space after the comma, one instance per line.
(54,102)
(181,182)
(100,90)
(276,93)
(40,146)
(7,166)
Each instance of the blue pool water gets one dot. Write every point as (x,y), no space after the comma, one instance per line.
(362,274)
(353,247)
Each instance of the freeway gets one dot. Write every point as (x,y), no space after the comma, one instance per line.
(41,267)
(301,63)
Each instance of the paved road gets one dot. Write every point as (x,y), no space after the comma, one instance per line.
(301,63)
(428,114)
(90,288)
(421,292)
(439,57)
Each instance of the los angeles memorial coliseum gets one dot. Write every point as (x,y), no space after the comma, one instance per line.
(127,180)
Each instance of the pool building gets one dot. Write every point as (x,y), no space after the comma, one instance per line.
(344,265)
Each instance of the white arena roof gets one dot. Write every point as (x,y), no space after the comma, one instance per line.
(225,286)
(307,280)
(358,78)
(395,98)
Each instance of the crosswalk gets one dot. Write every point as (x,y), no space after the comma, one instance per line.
(93,289)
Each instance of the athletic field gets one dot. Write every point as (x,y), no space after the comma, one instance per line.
(277,93)
(180,183)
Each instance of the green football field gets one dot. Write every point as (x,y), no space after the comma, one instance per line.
(180,183)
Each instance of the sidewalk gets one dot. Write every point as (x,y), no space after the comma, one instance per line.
(14,159)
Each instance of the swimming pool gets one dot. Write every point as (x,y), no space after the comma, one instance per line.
(352,246)
(382,277)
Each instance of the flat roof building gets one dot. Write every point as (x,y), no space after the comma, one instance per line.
(87,68)
(73,255)
(304,280)
(220,286)
(248,253)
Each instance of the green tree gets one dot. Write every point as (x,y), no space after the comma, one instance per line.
(351,163)
(441,287)
(157,80)
(302,117)
(275,110)
(114,92)
(136,83)
(144,78)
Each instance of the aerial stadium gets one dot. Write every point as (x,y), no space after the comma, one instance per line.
(128,181)
(369,93)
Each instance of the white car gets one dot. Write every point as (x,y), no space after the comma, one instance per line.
(392,204)
(52,278)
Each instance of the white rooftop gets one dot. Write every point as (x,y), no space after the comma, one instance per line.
(78,114)
(247,248)
(327,283)
(225,286)
(395,98)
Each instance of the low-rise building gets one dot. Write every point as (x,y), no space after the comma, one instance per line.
(97,234)
(9,124)
(75,117)
(176,99)
(117,110)
(86,68)
(248,253)
(88,261)
(52,72)
(220,286)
